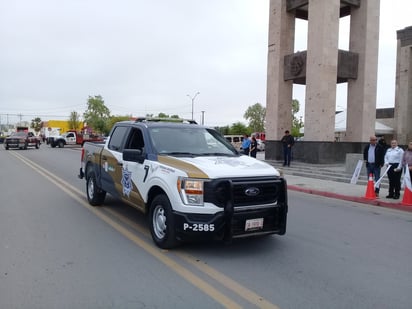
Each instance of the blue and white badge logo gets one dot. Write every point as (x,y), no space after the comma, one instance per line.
(126,182)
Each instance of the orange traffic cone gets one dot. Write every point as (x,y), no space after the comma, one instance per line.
(407,197)
(370,189)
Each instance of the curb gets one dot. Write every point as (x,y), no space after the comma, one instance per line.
(356,199)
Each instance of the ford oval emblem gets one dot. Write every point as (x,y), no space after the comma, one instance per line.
(252,191)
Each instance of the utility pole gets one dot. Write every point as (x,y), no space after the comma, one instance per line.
(193,101)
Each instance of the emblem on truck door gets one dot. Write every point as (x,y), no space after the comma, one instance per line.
(127,181)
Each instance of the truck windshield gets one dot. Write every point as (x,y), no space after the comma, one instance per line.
(196,141)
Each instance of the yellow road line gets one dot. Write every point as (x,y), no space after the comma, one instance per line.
(234,286)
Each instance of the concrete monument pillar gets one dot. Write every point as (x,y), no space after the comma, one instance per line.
(403,91)
(279,91)
(364,40)
(321,70)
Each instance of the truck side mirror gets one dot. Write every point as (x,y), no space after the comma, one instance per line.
(133,155)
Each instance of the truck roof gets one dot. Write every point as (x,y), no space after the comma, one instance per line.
(162,122)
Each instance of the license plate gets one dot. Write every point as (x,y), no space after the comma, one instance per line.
(254,224)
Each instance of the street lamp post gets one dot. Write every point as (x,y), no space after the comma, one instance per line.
(193,101)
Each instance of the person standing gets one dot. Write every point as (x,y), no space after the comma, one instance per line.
(245,144)
(287,141)
(374,155)
(393,157)
(407,159)
(253,147)
(382,142)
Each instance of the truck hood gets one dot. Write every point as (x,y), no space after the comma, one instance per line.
(222,166)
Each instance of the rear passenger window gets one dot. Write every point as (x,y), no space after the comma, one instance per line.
(116,140)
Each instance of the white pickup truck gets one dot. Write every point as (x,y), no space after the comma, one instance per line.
(191,182)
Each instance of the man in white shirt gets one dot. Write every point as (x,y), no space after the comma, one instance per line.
(393,157)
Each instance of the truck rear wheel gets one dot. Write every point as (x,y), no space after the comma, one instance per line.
(95,195)
(162,225)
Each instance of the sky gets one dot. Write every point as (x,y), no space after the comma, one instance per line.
(150,57)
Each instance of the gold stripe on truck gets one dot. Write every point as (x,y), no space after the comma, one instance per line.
(190,169)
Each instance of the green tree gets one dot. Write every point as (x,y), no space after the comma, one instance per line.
(113,119)
(223,130)
(74,120)
(256,114)
(297,123)
(239,128)
(36,124)
(97,114)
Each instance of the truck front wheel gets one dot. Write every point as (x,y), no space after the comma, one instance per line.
(95,195)
(162,226)
(60,144)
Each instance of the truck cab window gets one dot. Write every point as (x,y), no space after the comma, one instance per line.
(116,140)
(135,140)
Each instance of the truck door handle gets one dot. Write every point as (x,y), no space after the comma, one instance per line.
(120,163)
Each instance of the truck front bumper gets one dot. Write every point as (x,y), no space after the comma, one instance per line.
(228,225)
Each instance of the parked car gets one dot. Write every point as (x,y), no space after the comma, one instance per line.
(22,140)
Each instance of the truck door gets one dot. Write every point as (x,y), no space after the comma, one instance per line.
(112,162)
(71,138)
(134,173)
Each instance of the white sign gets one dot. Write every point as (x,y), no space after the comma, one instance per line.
(356,173)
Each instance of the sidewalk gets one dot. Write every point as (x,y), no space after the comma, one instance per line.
(339,190)
(323,185)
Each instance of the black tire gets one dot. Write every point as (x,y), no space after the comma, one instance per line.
(162,225)
(60,144)
(37,145)
(95,195)
(7,147)
(25,146)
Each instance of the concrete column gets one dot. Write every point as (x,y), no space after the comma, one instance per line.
(403,90)
(321,69)
(364,40)
(279,92)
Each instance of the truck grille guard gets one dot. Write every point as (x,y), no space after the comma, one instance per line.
(245,193)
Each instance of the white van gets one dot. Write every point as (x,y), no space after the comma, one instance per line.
(235,140)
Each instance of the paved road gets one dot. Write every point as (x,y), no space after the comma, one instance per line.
(58,252)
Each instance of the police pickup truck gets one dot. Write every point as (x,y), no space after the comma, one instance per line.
(191,182)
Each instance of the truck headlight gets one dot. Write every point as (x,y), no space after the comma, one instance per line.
(191,191)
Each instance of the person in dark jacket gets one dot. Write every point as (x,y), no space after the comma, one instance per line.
(253,147)
(374,157)
(287,141)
